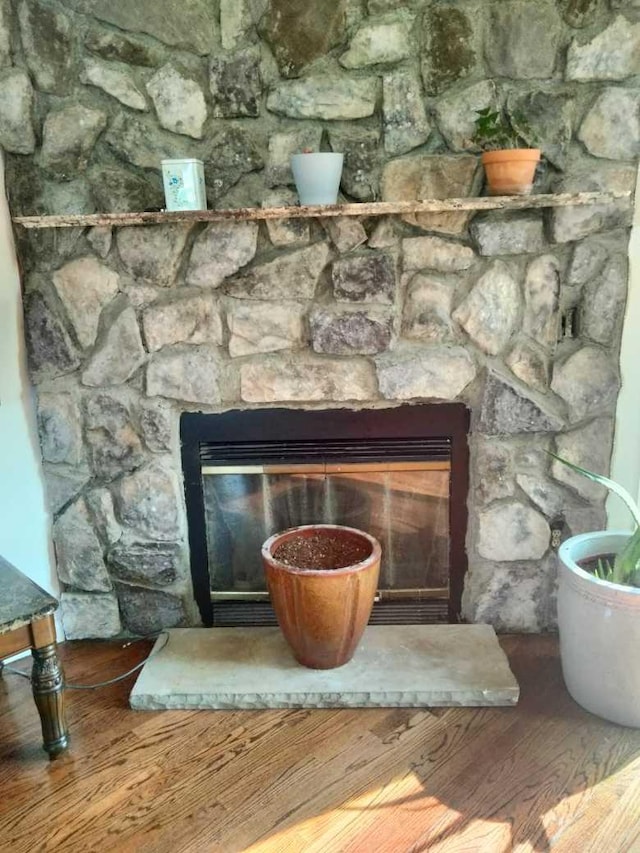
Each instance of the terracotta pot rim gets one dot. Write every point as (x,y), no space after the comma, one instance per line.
(376,551)
(502,154)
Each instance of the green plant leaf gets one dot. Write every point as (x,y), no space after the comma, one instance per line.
(614,487)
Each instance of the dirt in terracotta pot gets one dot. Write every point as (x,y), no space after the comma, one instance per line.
(321,552)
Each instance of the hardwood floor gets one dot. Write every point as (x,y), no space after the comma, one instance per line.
(539,777)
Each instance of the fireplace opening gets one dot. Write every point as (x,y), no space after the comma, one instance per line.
(400,474)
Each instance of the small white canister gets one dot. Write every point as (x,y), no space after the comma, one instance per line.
(184,187)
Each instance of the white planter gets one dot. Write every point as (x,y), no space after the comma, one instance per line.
(599,625)
(317,177)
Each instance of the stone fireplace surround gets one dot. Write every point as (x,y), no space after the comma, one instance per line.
(138,328)
(516,315)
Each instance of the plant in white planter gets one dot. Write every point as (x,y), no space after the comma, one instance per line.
(317,176)
(599,615)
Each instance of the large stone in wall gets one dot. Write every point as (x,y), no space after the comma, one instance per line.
(587,261)
(513,597)
(237,20)
(50,348)
(490,312)
(116,80)
(406,125)
(63,483)
(450,47)
(191,319)
(437,372)
(362,153)
(68,138)
(530,364)
(542,296)
(190,24)
(157,423)
(147,611)
(419,253)
(118,352)
(580,13)
(603,302)
(326,96)
(152,253)
(264,327)
(47,42)
(148,501)
(88,616)
(427,309)
(112,439)
(611,128)
(282,146)
(289,276)
(613,54)
(515,26)
(575,222)
(286,232)
(508,233)
(16,112)
(6,16)
(79,555)
(59,428)
(179,101)
(123,47)
(379,40)
(506,410)
(588,381)
(100,504)
(117,190)
(492,470)
(432,176)
(235,83)
(189,373)
(366,277)
(340,331)
(299,32)
(589,447)
(137,140)
(512,531)
(232,153)
(456,113)
(346,232)
(155,563)
(550,498)
(545,121)
(221,250)
(85,286)
(307,380)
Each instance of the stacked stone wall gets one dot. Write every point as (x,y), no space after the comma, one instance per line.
(518,315)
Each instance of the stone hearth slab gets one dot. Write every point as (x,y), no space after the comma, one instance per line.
(409,666)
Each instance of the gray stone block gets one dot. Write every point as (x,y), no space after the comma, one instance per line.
(89,617)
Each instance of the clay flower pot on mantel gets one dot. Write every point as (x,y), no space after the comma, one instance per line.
(322,612)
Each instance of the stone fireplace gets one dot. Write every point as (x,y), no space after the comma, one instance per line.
(515,315)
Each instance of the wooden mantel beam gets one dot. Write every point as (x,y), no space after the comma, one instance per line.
(378,208)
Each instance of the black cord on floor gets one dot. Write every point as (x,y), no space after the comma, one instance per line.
(124,675)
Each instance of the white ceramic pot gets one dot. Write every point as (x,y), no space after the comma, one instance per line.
(317,177)
(599,624)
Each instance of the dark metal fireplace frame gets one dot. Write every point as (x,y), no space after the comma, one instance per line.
(229,432)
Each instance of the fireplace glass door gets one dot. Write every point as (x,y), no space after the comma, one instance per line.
(405,505)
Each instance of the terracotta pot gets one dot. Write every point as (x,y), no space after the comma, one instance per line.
(511,171)
(322,612)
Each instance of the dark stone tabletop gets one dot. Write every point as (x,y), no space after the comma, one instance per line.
(21,600)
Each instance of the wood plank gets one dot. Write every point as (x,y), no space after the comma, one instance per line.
(543,775)
(378,208)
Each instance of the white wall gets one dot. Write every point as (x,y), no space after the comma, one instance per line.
(625,464)
(25,538)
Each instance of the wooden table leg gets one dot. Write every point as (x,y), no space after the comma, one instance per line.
(47,683)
